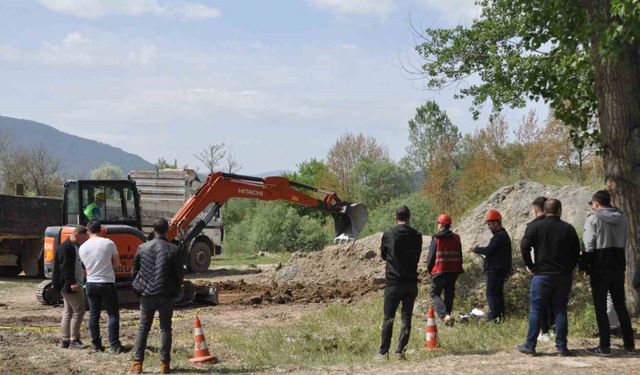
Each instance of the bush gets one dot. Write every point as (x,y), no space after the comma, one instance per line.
(276,226)
(423,214)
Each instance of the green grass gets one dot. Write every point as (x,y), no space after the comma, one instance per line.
(345,334)
(249,260)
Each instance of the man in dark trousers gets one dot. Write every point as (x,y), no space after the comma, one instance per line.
(100,256)
(604,259)
(444,263)
(158,270)
(556,249)
(68,279)
(497,264)
(400,248)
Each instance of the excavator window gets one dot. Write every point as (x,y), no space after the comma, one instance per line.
(109,203)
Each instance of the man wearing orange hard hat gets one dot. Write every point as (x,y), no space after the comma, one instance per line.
(444,263)
(497,264)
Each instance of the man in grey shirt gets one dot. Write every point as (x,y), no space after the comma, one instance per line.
(605,238)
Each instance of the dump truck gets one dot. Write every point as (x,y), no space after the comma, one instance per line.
(22,224)
(162,194)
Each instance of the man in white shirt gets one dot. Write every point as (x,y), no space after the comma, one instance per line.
(99,256)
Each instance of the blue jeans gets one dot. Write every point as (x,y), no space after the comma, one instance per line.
(104,294)
(544,289)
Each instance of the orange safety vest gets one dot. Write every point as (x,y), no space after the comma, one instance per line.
(448,255)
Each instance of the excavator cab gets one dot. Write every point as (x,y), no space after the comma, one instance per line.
(111,202)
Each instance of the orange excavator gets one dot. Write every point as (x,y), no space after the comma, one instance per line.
(119,213)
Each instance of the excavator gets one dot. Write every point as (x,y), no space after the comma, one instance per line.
(120,218)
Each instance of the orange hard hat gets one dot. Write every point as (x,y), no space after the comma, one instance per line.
(444,219)
(492,215)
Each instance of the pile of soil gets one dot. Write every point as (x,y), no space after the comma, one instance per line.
(240,292)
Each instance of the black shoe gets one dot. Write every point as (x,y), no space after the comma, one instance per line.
(524,349)
(630,350)
(602,352)
(77,344)
(118,349)
(64,344)
(97,348)
(565,352)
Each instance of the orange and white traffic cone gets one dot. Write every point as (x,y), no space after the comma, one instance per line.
(431,331)
(201,350)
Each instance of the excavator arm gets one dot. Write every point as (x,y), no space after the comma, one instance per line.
(220,187)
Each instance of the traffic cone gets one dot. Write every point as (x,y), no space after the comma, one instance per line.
(201,350)
(431,331)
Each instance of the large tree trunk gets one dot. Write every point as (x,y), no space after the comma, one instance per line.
(617,79)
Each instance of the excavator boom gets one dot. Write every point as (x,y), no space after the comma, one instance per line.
(220,187)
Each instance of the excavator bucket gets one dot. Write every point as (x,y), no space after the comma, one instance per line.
(349,221)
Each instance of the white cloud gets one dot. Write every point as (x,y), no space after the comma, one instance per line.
(76,49)
(198,11)
(101,8)
(9,53)
(455,11)
(380,7)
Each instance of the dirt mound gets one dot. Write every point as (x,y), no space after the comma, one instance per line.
(514,203)
(243,293)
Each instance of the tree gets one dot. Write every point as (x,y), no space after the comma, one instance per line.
(211,156)
(580,56)
(107,171)
(162,163)
(345,154)
(379,181)
(232,164)
(36,168)
(427,129)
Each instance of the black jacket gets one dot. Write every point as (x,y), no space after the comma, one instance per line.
(556,246)
(158,269)
(497,253)
(636,279)
(64,267)
(400,248)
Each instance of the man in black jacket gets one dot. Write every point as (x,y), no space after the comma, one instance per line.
(497,264)
(556,249)
(158,270)
(400,248)
(68,279)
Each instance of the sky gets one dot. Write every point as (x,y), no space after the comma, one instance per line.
(277,81)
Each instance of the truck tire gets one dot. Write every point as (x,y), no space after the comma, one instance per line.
(10,271)
(199,257)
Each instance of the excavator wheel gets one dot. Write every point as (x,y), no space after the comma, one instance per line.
(46,295)
(199,257)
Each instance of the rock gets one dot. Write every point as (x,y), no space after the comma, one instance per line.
(255,300)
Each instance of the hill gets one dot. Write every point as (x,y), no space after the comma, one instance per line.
(79,155)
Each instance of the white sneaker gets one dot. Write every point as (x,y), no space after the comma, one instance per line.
(544,337)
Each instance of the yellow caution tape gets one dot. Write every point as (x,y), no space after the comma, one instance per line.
(57,328)
(30,329)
